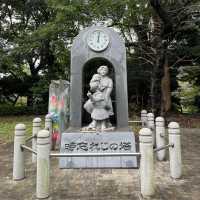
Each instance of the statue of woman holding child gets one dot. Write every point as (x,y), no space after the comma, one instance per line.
(99,104)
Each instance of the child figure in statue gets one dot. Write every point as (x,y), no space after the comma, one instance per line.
(99,112)
(99,104)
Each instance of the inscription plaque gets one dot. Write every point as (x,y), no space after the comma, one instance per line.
(98,142)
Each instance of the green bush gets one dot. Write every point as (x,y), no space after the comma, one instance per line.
(6,110)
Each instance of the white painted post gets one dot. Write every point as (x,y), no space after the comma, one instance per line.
(144,118)
(18,159)
(43,164)
(49,126)
(146,162)
(160,137)
(151,125)
(36,129)
(175,152)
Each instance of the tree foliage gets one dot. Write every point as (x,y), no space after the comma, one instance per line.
(160,37)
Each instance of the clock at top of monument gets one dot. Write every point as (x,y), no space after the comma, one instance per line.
(98,40)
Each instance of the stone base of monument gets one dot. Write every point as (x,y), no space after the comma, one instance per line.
(98,142)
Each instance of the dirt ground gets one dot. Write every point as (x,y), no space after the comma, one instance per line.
(105,184)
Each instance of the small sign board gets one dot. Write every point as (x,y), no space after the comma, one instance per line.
(98,142)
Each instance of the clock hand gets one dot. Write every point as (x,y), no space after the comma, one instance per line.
(98,37)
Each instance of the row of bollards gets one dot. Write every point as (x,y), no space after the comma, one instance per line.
(42,158)
(155,132)
(157,127)
(147,155)
(41,146)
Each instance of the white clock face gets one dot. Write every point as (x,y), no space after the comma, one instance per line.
(98,40)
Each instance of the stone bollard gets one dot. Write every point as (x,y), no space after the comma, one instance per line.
(49,126)
(151,125)
(43,164)
(146,162)
(36,129)
(18,159)
(175,152)
(160,137)
(144,118)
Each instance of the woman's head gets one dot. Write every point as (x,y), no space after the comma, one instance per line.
(102,70)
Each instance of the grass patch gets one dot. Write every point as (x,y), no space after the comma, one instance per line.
(8,123)
(135,126)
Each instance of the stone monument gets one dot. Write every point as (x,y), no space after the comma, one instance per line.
(98,102)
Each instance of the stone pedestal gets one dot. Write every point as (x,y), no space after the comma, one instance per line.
(98,142)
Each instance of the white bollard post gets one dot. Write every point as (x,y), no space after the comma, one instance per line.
(160,137)
(43,164)
(151,125)
(18,159)
(175,152)
(49,126)
(146,162)
(144,118)
(36,129)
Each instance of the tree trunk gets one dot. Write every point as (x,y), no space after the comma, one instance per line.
(30,100)
(165,88)
(152,92)
(156,43)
